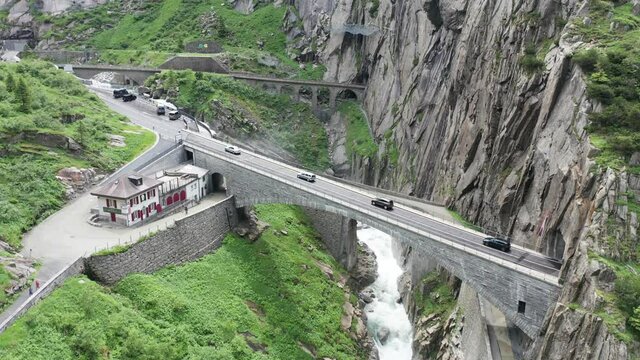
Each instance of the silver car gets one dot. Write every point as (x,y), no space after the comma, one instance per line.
(232,149)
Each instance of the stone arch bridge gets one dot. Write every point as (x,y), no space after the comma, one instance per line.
(522,284)
(322,95)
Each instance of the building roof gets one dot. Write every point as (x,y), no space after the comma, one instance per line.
(180,176)
(189,169)
(124,188)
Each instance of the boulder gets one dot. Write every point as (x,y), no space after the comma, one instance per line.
(383,335)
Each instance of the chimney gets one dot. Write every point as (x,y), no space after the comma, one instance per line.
(135,179)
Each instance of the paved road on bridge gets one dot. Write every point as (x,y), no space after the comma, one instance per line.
(402,214)
(358,197)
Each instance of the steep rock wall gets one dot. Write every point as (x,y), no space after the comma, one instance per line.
(503,144)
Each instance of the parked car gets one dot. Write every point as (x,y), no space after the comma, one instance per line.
(307,176)
(128,97)
(118,93)
(174,115)
(160,110)
(232,149)
(383,203)
(497,243)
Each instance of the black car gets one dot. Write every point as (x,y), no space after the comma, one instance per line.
(118,93)
(160,110)
(128,97)
(497,243)
(383,203)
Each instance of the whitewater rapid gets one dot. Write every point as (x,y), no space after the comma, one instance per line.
(385,311)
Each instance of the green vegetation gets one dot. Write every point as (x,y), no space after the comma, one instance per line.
(156,30)
(438,297)
(619,310)
(40,109)
(613,79)
(463,221)
(373,10)
(530,61)
(359,140)
(119,249)
(251,113)
(269,295)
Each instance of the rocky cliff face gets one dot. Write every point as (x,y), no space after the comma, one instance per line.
(502,141)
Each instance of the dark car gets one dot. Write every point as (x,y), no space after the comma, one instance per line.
(174,115)
(118,93)
(307,176)
(497,243)
(383,203)
(160,110)
(128,97)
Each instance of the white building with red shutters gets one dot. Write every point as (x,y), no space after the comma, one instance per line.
(129,199)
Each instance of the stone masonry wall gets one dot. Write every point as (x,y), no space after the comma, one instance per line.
(189,239)
(339,235)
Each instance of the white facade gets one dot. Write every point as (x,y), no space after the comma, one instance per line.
(132,210)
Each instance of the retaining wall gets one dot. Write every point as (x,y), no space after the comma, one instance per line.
(190,238)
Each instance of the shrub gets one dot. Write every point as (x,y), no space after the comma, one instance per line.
(530,62)
(600,92)
(587,59)
(627,288)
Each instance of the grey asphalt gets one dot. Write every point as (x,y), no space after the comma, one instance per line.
(416,219)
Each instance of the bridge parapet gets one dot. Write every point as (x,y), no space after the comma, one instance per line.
(522,294)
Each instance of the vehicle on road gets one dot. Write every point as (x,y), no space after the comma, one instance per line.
(128,97)
(383,203)
(118,93)
(497,243)
(174,115)
(232,149)
(160,110)
(306,176)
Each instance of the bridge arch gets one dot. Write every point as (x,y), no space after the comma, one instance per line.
(347,94)
(218,183)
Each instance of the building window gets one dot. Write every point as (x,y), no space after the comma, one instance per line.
(130,202)
(132,217)
(143,197)
(176,197)
(521,307)
(115,203)
(183,195)
(169,200)
(108,203)
(153,192)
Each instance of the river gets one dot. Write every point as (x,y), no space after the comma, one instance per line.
(384,311)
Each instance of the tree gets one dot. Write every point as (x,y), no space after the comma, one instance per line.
(634,320)
(83,133)
(11,83)
(23,95)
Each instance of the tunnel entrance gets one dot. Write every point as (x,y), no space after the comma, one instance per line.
(189,156)
(218,183)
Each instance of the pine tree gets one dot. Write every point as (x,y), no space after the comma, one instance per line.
(82,133)
(23,95)
(11,83)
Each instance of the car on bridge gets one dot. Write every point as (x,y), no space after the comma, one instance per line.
(497,243)
(383,203)
(232,149)
(306,176)
(118,93)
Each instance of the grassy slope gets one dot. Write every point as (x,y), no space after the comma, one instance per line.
(29,191)
(287,123)
(200,310)
(165,26)
(359,140)
(613,80)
